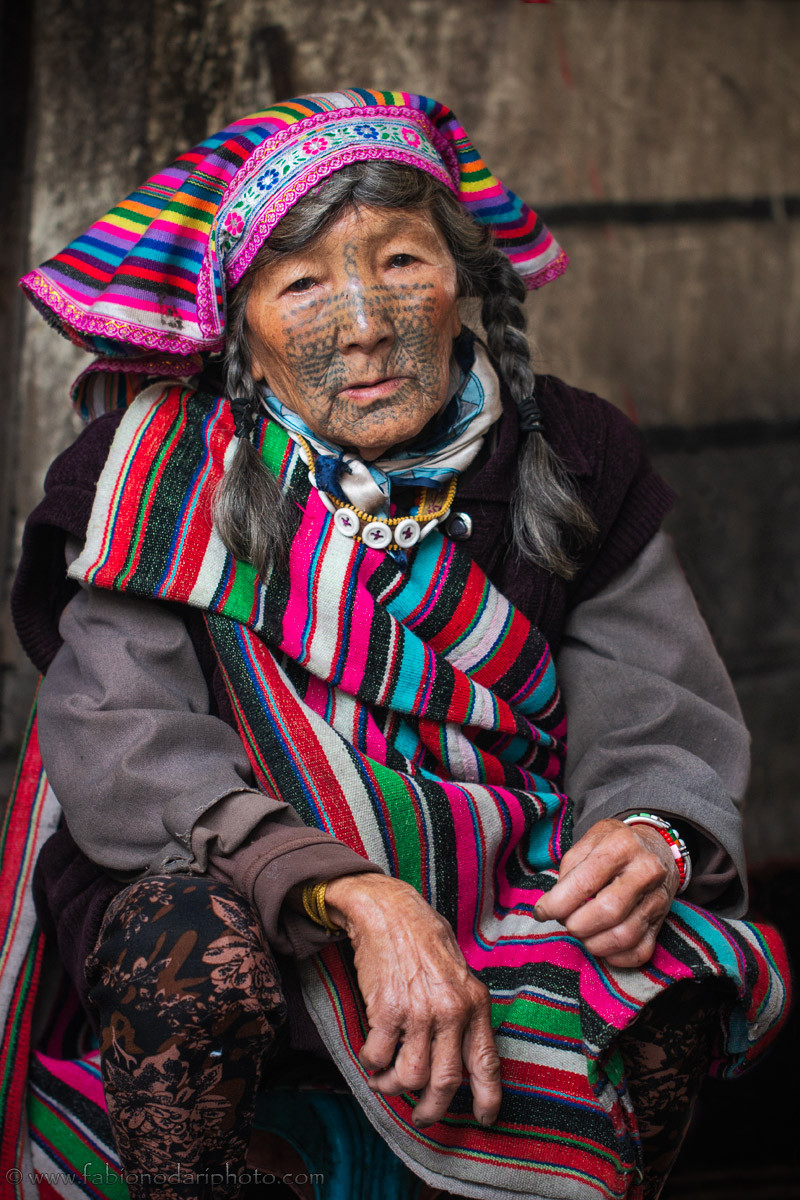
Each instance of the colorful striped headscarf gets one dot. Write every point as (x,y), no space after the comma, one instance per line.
(148,280)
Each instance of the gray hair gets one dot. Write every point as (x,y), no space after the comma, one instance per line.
(255,519)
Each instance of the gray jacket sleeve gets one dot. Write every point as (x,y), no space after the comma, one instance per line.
(127,739)
(150,781)
(653,721)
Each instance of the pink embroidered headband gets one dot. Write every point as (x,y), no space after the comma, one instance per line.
(147,282)
(287,166)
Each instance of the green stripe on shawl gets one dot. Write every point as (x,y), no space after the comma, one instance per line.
(102,1179)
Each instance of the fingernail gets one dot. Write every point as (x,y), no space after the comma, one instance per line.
(538,915)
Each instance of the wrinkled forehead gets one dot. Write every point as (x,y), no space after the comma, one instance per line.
(354,248)
(285,167)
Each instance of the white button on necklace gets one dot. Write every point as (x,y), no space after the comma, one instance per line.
(401,532)
(346,522)
(407,532)
(376,534)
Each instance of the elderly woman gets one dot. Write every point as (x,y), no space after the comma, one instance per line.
(325,553)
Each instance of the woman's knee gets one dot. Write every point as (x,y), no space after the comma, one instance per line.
(189,949)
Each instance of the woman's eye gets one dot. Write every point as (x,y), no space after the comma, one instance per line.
(401,260)
(301,285)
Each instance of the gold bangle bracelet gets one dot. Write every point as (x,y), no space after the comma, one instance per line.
(319,897)
(313,896)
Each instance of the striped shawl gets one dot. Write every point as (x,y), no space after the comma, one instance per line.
(416,716)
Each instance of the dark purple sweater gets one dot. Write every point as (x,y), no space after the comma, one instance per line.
(598,445)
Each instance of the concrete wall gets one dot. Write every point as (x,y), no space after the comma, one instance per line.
(660,137)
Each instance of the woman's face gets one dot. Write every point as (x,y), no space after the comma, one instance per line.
(355,332)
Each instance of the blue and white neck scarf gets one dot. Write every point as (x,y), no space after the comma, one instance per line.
(448,446)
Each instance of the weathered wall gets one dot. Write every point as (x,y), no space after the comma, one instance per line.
(660,137)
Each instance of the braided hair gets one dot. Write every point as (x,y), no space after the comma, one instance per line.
(549,522)
(255,519)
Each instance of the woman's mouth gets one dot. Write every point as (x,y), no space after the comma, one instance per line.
(373,389)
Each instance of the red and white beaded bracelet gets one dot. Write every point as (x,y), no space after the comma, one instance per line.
(680,851)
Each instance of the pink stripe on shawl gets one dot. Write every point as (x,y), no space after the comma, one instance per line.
(75,1074)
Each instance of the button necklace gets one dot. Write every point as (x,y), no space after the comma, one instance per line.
(384,533)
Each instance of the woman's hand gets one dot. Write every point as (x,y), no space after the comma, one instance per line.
(420,995)
(615,887)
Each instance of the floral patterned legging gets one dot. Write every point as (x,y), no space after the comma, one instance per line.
(190,1007)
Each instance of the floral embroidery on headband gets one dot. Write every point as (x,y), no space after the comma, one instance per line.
(267,181)
(234,223)
(315,145)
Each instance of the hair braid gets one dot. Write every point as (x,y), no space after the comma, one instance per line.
(546,511)
(252,515)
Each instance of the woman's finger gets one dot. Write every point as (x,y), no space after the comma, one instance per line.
(604,861)
(411,1069)
(639,954)
(482,1062)
(446,1075)
(630,940)
(379,1049)
(638,890)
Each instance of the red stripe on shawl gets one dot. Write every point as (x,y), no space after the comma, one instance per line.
(123,516)
(194,531)
(17,837)
(506,652)
(86,268)
(156,433)
(21,833)
(46,1192)
(137,272)
(777,950)
(492,771)
(468,605)
(548,1081)
(459,708)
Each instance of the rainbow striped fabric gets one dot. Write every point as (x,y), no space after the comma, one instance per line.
(55,1135)
(149,278)
(416,717)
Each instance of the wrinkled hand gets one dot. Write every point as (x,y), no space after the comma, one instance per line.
(615,887)
(420,995)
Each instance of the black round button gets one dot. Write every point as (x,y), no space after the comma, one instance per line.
(459,527)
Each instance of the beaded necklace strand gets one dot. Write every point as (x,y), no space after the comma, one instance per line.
(384,533)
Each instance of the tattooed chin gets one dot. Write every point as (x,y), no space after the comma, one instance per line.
(380,423)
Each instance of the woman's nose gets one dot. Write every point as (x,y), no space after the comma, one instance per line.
(365,320)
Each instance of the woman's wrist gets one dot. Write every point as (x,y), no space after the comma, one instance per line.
(658,828)
(350,899)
